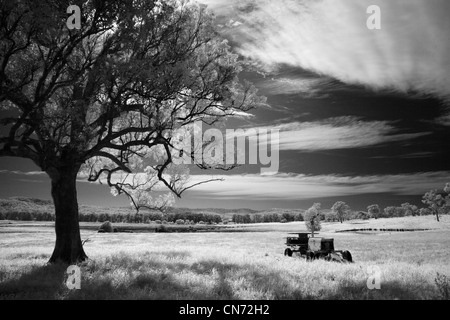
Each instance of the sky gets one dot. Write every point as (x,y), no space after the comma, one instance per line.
(363,115)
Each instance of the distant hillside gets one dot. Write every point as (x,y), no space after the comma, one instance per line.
(31,205)
(23,205)
(32,201)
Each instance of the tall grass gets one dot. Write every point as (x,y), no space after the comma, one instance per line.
(245,265)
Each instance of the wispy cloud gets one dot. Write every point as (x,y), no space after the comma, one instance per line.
(330,37)
(292,186)
(284,186)
(26,173)
(443,120)
(337,133)
(306,87)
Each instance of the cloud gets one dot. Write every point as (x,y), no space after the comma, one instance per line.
(336,133)
(293,186)
(285,186)
(26,173)
(306,87)
(443,120)
(411,52)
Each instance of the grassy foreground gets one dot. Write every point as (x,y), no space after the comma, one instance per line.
(241,265)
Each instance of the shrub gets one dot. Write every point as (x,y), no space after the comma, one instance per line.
(424,211)
(158,221)
(287,216)
(179,221)
(374,210)
(362,215)
(330,216)
(322,216)
(106,227)
(162,228)
(26,216)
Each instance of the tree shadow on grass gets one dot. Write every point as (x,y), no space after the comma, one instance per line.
(41,282)
(389,290)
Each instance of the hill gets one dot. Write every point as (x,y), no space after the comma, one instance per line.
(23,205)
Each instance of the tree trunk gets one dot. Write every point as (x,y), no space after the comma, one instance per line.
(68,246)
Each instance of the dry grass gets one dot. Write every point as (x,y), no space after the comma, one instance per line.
(242,265)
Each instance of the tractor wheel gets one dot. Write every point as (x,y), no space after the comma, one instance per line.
(288,252)
(347,256)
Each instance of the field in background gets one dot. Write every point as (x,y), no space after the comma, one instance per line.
(233,265)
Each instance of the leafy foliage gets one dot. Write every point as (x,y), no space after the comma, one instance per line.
(312,218)
(341,209)
(106,101)
(374,211)
(438,203)
(266,217)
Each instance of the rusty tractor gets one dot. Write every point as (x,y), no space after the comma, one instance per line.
(313,248)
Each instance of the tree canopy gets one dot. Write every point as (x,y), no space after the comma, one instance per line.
(312,218)
(341,209)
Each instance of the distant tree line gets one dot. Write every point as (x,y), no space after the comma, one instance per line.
(27,216)
(267,217)
(116,217)
(438,203)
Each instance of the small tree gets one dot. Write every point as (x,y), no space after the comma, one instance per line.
(390,211)
(312,218)
(437,203)
(409,209)
(374,210)
(341,209)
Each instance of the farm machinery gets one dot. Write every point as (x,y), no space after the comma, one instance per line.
(313,248)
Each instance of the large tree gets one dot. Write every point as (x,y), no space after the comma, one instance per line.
(104,100)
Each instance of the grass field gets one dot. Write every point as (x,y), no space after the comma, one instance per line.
(232,265)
